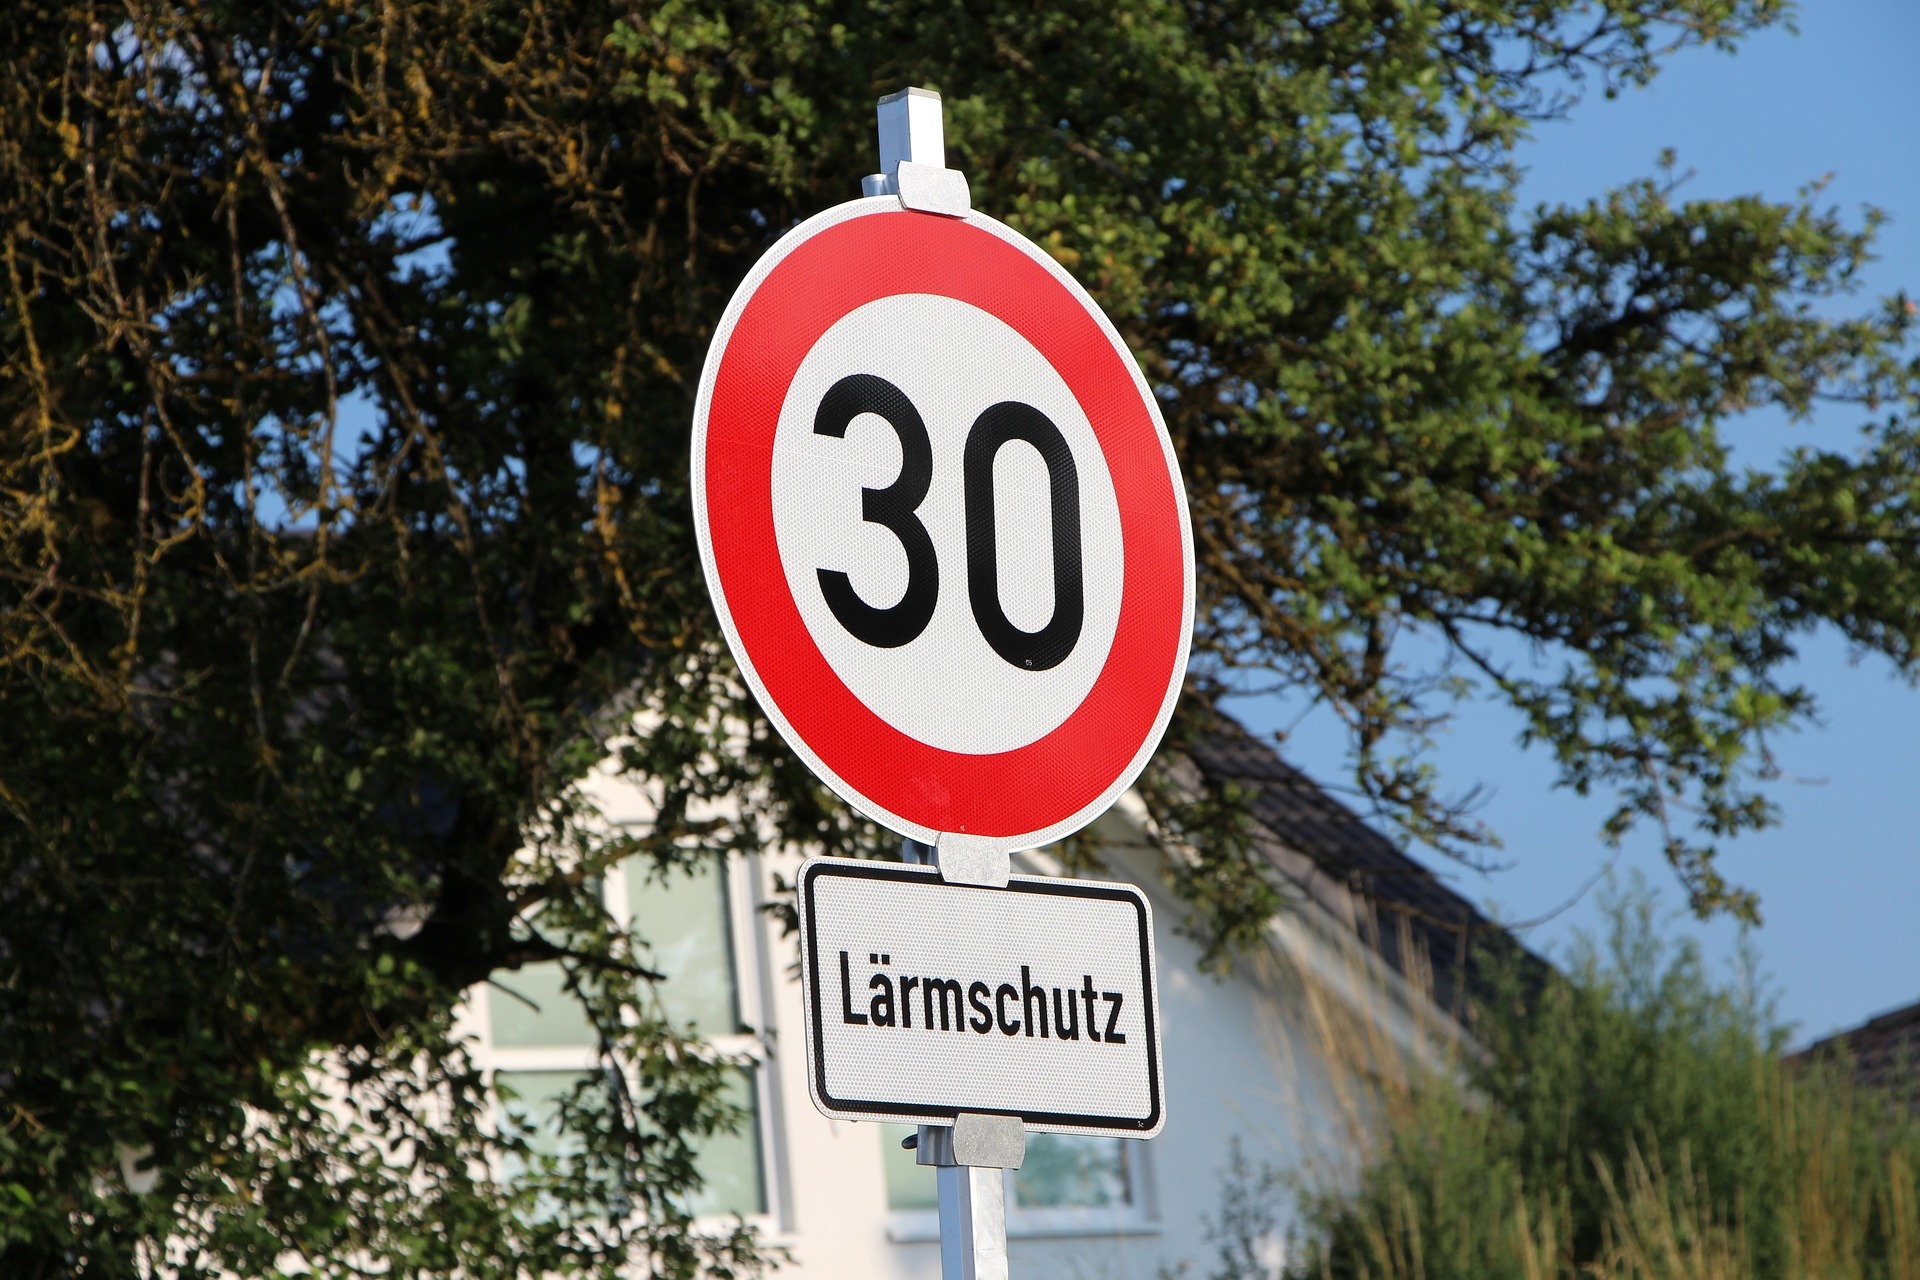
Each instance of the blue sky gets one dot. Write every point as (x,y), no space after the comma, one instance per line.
(1839,880)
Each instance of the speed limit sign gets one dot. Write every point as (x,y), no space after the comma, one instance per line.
(942,523)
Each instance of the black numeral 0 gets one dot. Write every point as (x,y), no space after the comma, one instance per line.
(1050,645)
(893,509)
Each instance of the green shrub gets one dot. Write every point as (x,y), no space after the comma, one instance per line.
(1635,1119)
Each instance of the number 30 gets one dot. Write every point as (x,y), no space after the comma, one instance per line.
(894,507)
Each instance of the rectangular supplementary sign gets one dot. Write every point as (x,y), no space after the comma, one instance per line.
(925,999)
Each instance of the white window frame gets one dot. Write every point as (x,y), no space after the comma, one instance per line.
(753,1004)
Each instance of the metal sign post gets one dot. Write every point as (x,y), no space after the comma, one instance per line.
(969,1158)
(947,541)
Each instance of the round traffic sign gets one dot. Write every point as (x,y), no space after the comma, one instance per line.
(942,524)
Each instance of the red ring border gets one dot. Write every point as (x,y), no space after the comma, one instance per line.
(826,274)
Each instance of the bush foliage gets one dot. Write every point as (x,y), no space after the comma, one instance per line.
(1635,1120)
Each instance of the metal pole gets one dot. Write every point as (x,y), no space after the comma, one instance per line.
(969,1157)
(973,1223)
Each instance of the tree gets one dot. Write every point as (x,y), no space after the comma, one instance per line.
(349,352)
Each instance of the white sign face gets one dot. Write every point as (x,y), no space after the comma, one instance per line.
(819,482)
(925,999)
(943,525)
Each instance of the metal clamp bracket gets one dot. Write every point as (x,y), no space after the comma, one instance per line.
(974,1141)
(963,859)
(913,157)
(971,860)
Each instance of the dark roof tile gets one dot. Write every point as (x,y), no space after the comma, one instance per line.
(1885,1051)
(1418,924)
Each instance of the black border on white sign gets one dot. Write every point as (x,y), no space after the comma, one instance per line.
(921,1113)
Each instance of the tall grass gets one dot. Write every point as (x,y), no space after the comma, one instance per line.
(1634,1120)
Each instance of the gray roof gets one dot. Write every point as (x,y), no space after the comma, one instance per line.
(1417,924)
(1884,1052)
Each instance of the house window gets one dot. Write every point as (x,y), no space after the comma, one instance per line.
(732,1165)
(532,1010)
(534,1106)
(910,1187)
(1067,1185)
(1070,1171)
(538,1043)
(689,937)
